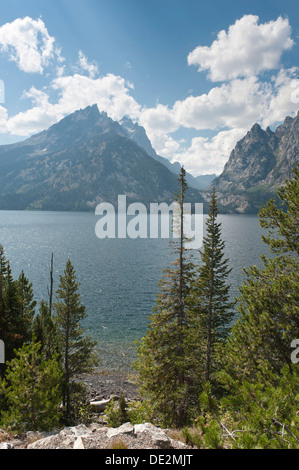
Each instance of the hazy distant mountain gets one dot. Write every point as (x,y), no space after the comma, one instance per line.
(84,159)
(203,181)
(259,164)
(138,134)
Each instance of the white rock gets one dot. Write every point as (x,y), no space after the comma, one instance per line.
(126,428)
(79,443)
(143,427)
(99,405)
(6,445)
(80,431)
(158,437)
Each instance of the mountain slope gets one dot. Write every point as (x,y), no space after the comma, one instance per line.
(259,164)
(84,159)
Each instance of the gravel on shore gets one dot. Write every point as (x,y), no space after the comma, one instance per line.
(104,384)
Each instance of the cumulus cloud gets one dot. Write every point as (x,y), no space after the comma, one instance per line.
(160,119)
(29,44)
(206,156)
(229,109)
(75,91)
(284,99)
(236,103)
(246,49)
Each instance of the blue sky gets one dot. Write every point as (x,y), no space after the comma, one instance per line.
(196,74)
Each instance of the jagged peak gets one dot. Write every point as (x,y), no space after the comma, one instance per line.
(256,128)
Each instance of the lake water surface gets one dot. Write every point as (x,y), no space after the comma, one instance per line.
(118,277)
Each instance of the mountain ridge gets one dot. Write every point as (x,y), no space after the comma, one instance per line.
(258,165)
(84,159)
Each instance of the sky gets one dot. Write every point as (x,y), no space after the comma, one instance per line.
(196,74)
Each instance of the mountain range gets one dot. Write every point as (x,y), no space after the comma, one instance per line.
(84,159)
(87,158)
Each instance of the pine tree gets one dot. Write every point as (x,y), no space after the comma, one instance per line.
(27,304)
(32,391)
(16,308)
(162,363)
(45,331)
(210,303)
(76,349)
(269,300)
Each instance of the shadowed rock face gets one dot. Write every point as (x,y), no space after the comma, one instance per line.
(84,159)
(259,164)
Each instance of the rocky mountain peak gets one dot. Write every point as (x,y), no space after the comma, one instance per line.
(259,164)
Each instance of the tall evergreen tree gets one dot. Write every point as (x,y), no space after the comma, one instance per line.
(162,362)
(210,303)
(27,304)
(269,300)
(76,349)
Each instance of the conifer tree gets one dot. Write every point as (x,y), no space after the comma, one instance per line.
(76,349)
(210,303)
(45,331)
(27,304)
(16,308)
(269,300)
(162,362)
(31,389)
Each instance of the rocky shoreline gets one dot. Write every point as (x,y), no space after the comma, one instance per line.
(103,385)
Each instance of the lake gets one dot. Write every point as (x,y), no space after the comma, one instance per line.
(118,277)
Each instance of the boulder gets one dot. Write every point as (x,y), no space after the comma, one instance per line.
(156,435)
(126,428)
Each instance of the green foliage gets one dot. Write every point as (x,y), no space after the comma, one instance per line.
(45,331)
(16,309)
(79,408)
(116,412)
(32,391)
(211,309)
(269,300)
(163,362)
(76,349)
(265,415)
(253,416)
(140,412)
(119,412)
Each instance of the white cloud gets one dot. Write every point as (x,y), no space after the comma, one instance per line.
(284,99)
(29,44)
(75,91)
(229,109)
(235,104)
(246,49)
(3,119)
(159,119)
(92,69)
(206,156)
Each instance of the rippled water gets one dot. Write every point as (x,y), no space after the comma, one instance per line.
(118,276)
